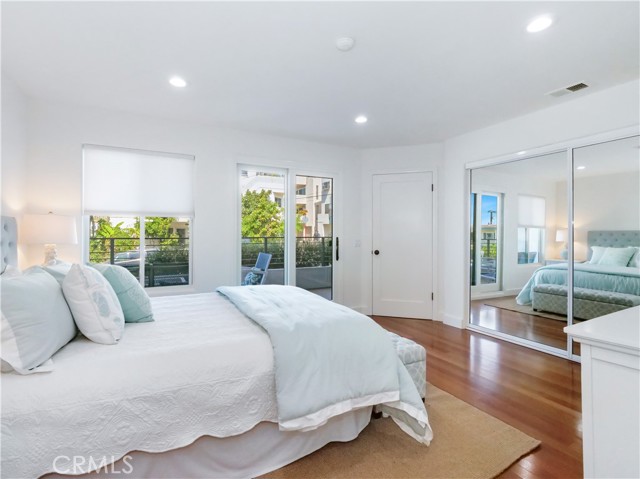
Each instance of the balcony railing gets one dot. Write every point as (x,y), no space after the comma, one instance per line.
(310,251)
(166,262)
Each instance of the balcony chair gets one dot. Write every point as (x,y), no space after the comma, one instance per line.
(258,273)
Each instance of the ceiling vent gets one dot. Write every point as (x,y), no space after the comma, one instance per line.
(568,89)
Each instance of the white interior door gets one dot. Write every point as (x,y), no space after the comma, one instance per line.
(402,245)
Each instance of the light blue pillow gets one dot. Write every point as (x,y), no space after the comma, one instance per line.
(59,270)
(36,321)
(132,296)
(617,256)
(634,262)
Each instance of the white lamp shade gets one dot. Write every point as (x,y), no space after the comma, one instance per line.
(48,229)
(561,235)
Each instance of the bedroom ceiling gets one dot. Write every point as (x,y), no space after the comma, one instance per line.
(420,71)
(619,156)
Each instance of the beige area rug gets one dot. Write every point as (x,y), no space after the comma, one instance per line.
(468,443)
(509,303)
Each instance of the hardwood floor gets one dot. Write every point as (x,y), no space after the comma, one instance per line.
(532,391)
(534,328)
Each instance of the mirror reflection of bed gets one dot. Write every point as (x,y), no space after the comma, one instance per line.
(519,249)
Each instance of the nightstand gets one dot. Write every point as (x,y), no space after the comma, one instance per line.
(554,261)
(559,260)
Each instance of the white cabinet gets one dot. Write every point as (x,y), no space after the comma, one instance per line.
(610,350)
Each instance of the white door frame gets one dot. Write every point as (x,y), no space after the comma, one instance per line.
(336,269)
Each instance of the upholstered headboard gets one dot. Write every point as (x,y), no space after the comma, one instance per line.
(8,242)
(613,239)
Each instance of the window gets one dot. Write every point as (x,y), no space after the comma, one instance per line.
(140,220)
(531,229)
(486,242)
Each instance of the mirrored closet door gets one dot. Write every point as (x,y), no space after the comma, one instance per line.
(554,239)
(606,233)
(518,210)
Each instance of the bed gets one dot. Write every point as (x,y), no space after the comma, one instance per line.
(198,392)
(602,285)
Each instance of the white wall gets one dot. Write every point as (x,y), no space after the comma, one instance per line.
(514,275)
(14,147)
(392,160)
(587,115)
(604,202)
(13,168)
(57,133)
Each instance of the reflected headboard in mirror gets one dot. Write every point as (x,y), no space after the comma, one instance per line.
(8,242)
(612,239)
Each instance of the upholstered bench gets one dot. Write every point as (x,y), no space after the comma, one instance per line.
(414,357)
(587,303)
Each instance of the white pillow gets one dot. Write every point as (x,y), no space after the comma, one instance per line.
(94,305)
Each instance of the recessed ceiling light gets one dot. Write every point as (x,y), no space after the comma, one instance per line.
(521,152)
(581,167)
(539,24)
(178,82)
(361,119)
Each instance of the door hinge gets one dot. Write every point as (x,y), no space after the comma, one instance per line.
(431,186)
(431,296)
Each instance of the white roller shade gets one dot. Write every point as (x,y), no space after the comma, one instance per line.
(531,211)
(134,182)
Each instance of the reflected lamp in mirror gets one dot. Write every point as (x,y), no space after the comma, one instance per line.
(561,237)
(49,230)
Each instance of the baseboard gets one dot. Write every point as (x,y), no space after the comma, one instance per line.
(361,309)
(451,320)
(496,294)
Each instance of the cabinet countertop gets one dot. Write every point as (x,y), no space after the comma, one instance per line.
(621,329)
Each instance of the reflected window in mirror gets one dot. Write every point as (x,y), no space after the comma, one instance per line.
(531,226)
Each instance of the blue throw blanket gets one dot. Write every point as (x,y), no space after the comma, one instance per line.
(329,360)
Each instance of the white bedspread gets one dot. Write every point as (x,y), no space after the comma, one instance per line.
(202,368)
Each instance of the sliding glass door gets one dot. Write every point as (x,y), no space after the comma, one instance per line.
(314,234)
(287,220)
(263,217)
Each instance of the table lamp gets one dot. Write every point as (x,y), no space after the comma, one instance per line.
(49,230)
(561,237)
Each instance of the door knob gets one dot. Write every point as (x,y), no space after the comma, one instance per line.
(376,252)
